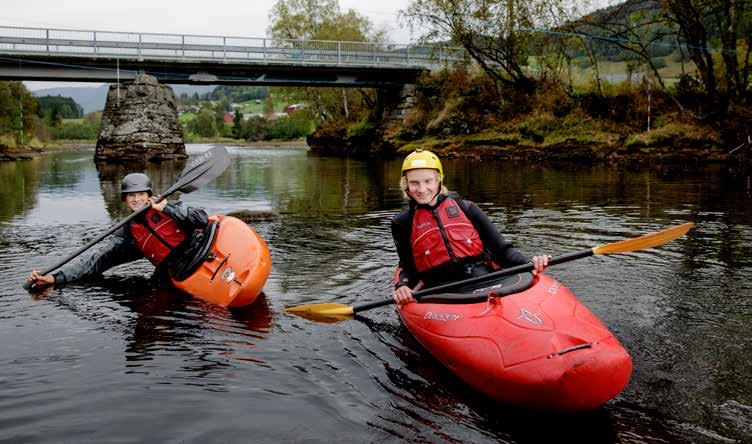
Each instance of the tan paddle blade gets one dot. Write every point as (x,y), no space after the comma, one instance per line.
(647,241)
(326,309)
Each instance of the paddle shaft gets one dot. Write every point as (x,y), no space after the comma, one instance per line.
(493,275)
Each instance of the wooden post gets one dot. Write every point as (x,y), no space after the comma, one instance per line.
(649,91)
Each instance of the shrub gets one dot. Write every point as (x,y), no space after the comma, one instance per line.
(294,127)
(77,130)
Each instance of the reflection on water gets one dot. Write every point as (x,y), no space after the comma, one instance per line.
(125,350)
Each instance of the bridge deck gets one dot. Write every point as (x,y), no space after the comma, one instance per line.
(211,58)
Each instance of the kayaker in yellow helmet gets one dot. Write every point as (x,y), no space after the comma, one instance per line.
(441,238)
(170,235)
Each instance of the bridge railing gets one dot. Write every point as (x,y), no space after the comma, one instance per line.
(202,48)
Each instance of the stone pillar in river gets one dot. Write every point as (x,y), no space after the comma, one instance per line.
(140,122)
(399,105)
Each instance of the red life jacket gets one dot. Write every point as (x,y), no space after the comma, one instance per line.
(442,235)
(158,237)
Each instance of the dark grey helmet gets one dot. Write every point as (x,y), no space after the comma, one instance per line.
(134,183)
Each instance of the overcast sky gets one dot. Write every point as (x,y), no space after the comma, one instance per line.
(243,18)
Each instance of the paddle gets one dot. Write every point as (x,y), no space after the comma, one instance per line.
(640,243)
(199,171)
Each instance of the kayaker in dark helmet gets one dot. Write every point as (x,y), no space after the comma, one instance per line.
(169,234)
(441,238)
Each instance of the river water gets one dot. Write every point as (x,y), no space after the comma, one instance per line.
(118,359)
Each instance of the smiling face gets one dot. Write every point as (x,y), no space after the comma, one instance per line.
(136,200)
(423,185)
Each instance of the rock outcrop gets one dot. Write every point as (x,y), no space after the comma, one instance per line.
(140,122)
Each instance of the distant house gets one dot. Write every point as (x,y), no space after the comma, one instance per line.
(295,107)
(229,117)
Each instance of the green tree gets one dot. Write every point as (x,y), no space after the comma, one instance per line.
(239,93)
(55,118)
(301,19)
(269,106)
(497,34)
(65,107)
(703,24)
(237,125)
(18,112)
(203,124)
(323,20)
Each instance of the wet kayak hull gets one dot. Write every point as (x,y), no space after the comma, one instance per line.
(540,348)
(237,267)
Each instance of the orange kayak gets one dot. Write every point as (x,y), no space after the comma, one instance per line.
(235,269)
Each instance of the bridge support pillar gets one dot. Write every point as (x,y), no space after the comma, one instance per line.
(140,122)
(398,105)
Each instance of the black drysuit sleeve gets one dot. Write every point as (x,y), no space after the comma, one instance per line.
(187,217)
(113,250)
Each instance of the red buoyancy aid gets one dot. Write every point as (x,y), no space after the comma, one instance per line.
(158,237)
(443,234)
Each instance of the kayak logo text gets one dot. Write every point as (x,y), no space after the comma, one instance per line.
(200,159)
(443,317)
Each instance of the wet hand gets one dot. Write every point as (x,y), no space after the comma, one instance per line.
(157,206)
(40,280)
(41,293)
(403,295)
(540,263)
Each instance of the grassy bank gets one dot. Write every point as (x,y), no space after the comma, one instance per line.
(465,114)
(578,137)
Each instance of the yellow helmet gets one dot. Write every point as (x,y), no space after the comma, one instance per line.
(421,158)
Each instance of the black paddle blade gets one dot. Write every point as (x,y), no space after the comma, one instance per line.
(201,170)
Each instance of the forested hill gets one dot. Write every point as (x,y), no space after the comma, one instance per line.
(623,25)
(92,98)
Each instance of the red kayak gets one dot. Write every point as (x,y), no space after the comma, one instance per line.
(538,348)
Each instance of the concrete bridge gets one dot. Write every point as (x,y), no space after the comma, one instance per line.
(106,56)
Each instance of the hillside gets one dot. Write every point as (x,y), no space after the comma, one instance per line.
(93,98)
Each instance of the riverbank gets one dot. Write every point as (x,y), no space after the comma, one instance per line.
(584,141)
(544,138)
(460,114)
(29,152)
